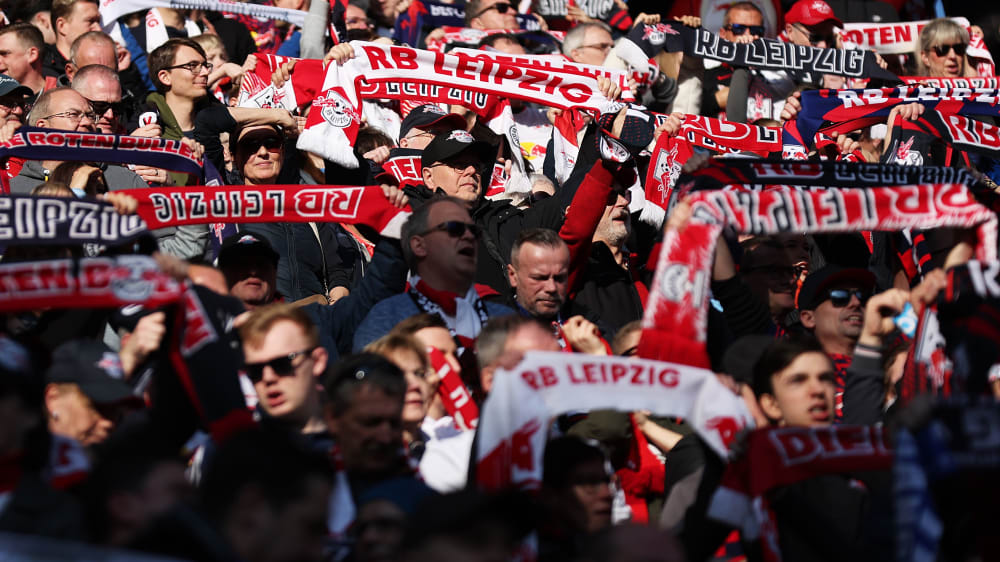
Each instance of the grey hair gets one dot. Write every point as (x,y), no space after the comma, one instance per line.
(417,225)
(98,36)
(492,339)
(94,71)
(41,107)
(574,38)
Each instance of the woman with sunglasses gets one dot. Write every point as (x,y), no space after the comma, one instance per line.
(943,44)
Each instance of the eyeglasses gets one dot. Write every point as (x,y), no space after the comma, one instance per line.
(815,37)
(739,29)
(462,165)
(101,107)
(193,66)
(840,298)
(74,115)
(599,46)
(10,104)
(272,144)
(942,50)
(500,7)
(282,366)
(456,229)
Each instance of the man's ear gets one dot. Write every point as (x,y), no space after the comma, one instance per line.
(417,246)
(70,70)
(512,276)
(474,23)
(425,173)
(769,406)
(164,76)
(33,55)
(808,319)
(320,359)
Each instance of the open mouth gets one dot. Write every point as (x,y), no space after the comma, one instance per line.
(819,413)
(468,251)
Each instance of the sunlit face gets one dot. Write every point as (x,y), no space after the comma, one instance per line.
(259,154)
(540,278)
(597,43)
(287,395)
(15,59)
(950,63)
(83,17)
(69,111)
(495,14)
(802,392)
(419,391)
(185,82)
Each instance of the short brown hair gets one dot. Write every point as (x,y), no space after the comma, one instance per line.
(413,324)
(63,8)
(27,35)
(163,57)
(260,321)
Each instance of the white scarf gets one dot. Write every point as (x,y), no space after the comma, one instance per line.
(156,30)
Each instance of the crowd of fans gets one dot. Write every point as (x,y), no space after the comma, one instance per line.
(346,342)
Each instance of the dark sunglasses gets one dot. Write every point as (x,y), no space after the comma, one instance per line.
(738,29)
(272,144)
(942,50)
(842,297)
(282,366)
(817,37)
(456,229)
(500,7)
(101,107)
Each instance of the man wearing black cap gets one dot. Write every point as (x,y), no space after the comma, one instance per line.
(85,391)
(832,306)
(424,122)
(458,165)
(250,266)
(13,99)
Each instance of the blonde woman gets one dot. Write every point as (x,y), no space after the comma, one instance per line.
(943,46)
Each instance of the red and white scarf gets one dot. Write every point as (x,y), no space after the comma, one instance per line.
(180,206)
(904,38)
(156,30)
(675,321)
(514,421)
(454,394)
(776,457)
(111,10)
(465,314)
(670,153)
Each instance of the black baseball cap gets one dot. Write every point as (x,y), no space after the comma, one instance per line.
(813,291)
(429,114)
(245,243)
(10,86)
(92,366)
(451,144)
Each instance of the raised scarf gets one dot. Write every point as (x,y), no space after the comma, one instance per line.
(111,10)
(515,416)
(675,321)
(156,30)
(904,38)
(776,457)
(765,54)
(179,206)
(847,110)
(424,14)
(512,428)
(200,343)
(27,219)
(671,152)
(467,37)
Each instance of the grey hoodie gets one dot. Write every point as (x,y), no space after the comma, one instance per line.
(183,241)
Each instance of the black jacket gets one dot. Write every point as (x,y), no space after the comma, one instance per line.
(386,277)
(53,63)
(309,265)
(608,292)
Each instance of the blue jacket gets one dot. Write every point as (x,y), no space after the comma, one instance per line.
(386,277)
(386,314)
